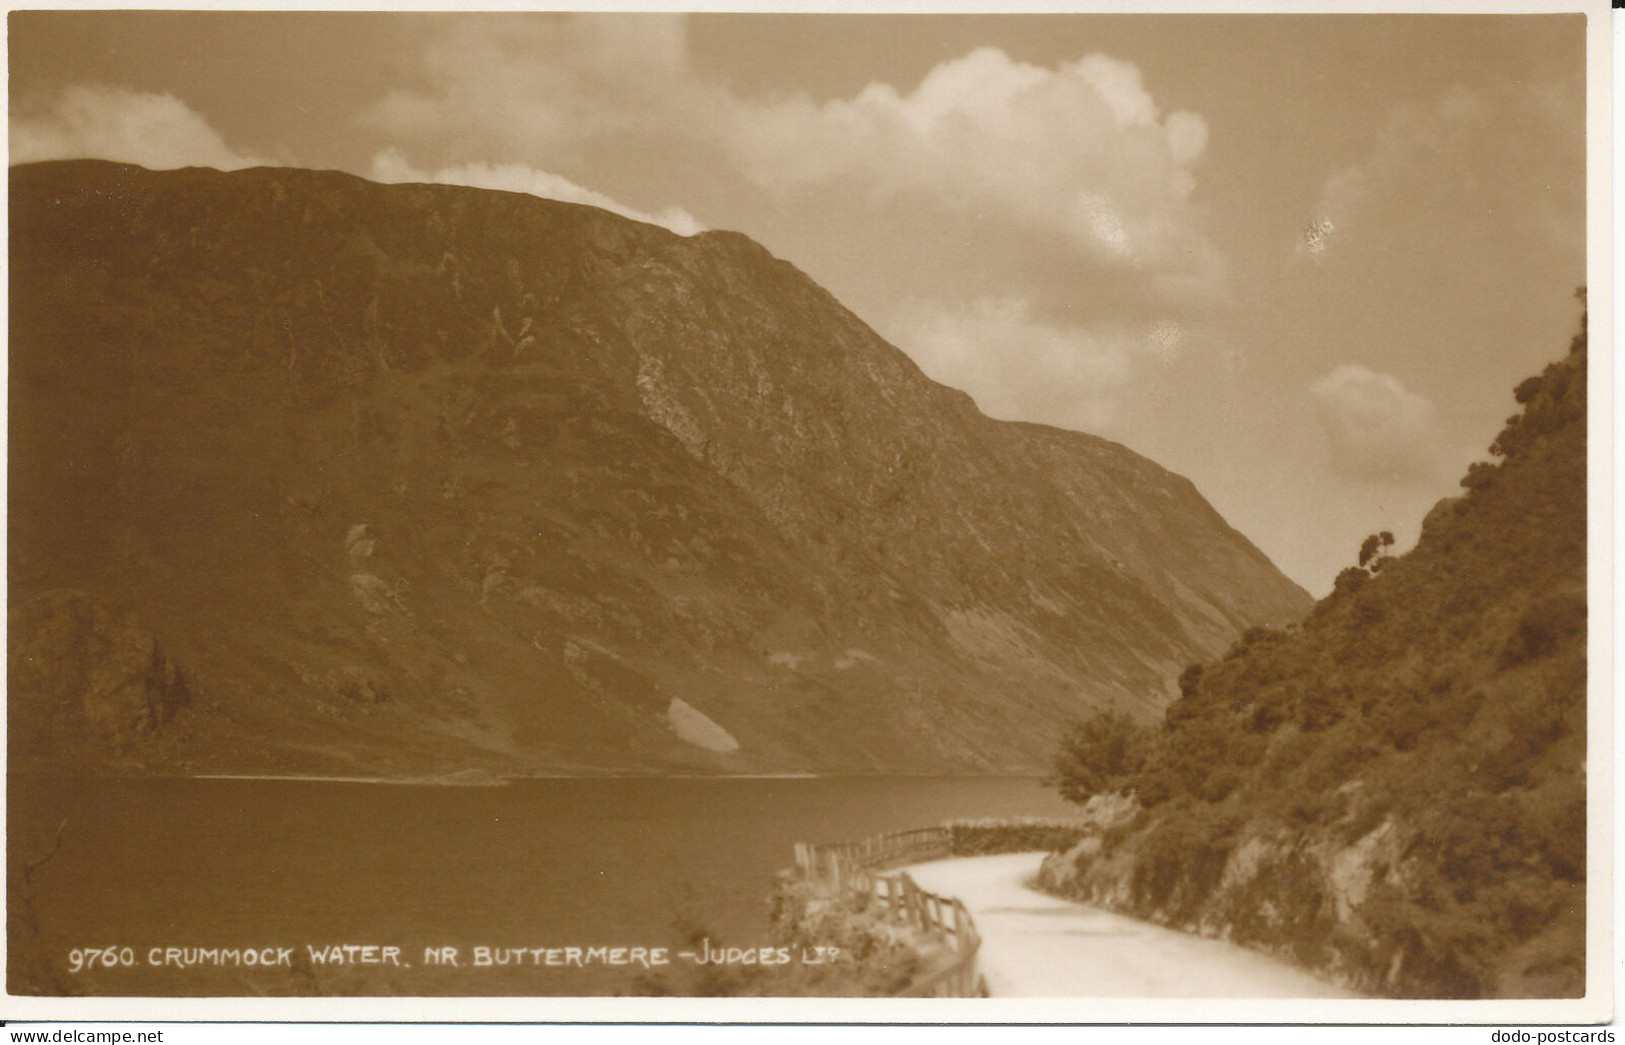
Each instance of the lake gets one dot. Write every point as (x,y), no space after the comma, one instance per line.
(152,871)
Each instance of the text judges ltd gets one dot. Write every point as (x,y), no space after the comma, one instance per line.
(81,959)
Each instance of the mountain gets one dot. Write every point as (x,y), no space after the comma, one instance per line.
(1394,791)
(310,474)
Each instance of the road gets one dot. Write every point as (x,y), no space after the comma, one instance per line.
(1037,946)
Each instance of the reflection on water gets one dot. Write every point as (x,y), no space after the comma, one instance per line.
(281,866)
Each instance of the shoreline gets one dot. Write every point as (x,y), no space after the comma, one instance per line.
(492,780)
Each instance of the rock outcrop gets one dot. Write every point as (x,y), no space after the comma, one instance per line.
(85,679)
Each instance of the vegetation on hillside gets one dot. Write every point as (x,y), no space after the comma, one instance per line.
(1394,790)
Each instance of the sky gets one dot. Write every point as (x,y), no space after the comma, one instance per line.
(1300,259)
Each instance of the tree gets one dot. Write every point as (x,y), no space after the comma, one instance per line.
(1349,580)
(1372,555)
(1098,754)
(1579,341)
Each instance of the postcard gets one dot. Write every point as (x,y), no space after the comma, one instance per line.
(810,515)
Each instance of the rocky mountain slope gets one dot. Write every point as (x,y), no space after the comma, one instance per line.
(412,479)
(1394,792)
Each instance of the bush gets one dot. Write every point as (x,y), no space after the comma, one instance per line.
(1480,476)
(986,837)
(1320,707)
(1181,863)
(1350,581)
(1544,626)
(1097,755)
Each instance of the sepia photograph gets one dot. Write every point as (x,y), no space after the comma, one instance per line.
(1092,507)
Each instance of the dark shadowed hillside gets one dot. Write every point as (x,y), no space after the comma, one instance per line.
(1394,791)
(313,474)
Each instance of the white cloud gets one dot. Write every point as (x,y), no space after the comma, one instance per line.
(93,121)
(390,166)
(1018,366)
(532,85)
(1187,135)
(1081,150)
(1376,428)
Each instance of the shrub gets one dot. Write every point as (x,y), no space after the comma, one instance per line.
(1320,707)
(985,837)
(1543,626)
(1098,754)
(1350,581)
(1480,475)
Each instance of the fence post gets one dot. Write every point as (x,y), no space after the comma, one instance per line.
(848,870)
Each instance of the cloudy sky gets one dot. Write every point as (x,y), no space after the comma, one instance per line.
(1300,259)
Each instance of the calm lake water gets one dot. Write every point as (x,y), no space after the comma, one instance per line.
(263,864)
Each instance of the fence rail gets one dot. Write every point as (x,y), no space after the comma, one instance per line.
(855,871)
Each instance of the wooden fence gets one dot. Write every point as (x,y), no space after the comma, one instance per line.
(854,872)
(835,863)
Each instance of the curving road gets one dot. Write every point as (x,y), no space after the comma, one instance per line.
(1037,946)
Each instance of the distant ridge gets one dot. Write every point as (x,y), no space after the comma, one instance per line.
(398,480)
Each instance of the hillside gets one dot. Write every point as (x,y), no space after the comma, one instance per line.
(310,474)
(1392,792)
